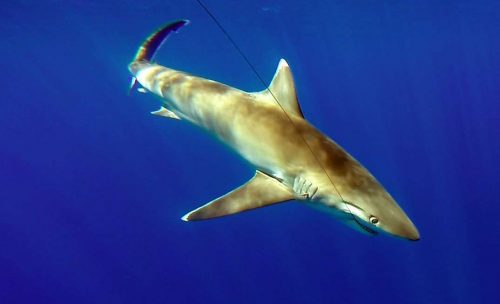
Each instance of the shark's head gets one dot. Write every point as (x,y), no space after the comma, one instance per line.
(377,213)
(370,210)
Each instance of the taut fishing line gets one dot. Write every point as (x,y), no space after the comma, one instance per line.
(252,67)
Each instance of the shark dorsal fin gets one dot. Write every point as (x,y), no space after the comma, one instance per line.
(283,88)
(262,190)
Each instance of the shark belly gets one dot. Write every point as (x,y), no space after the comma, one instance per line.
(264,135)
(252,128)
(261,132)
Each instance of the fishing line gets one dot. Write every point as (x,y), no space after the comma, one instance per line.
(254,70)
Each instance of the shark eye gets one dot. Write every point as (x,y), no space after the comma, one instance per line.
(373,220)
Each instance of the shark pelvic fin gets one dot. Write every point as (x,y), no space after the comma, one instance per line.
(165,113)
(283,88)
(262,190)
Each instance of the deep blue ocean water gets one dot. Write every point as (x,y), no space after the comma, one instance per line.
(92,187)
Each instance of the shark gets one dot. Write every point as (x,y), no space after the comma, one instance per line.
(293,160)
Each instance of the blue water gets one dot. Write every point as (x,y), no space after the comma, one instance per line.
(92,187)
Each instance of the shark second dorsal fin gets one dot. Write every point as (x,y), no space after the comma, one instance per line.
(262,190)
(283,88)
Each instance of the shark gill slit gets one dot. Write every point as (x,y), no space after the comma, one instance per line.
(254,70)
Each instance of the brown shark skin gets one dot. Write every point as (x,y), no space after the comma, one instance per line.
(258,129)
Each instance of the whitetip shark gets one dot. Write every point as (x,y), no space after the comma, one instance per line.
(293,159)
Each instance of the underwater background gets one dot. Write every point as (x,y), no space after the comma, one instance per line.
(92,186)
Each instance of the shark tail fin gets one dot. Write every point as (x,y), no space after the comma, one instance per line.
(152,44)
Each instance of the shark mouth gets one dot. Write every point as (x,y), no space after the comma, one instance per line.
(365,228)
(352,213)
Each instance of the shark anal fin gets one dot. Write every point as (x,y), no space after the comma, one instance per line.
(262,190)
(165,113)
(282,88)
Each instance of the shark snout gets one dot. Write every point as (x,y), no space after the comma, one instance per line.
(406,229)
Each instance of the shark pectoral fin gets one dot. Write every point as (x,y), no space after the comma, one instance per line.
(262,190)
(165,113)
(283,88)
